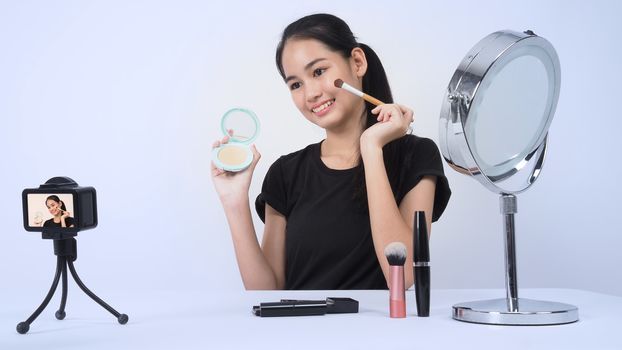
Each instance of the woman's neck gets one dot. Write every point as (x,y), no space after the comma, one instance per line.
(341,149)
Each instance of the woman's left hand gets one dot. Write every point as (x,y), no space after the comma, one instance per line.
(65,214)
(393,122)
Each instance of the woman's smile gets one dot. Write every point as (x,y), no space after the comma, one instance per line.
(323,108)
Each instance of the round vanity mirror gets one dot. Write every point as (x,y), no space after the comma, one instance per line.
(494,125)
(500,103)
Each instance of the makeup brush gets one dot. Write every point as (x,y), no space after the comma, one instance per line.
(343,85)
(396,255)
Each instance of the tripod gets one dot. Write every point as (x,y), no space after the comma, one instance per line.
(66,251)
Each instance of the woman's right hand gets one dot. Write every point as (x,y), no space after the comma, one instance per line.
(233,186)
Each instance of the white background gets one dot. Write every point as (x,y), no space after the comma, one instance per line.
(126,96)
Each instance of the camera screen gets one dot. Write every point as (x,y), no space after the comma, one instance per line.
(51,210)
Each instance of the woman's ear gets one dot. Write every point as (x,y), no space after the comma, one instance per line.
(358,62)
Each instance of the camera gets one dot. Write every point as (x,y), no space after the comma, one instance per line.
(59,208)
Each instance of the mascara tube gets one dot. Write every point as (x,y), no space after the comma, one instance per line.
(421,265)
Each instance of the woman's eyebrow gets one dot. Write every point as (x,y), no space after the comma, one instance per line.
(307,66)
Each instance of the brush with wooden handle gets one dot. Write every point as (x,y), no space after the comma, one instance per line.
(343,85)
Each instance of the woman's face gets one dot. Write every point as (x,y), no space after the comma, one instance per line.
(53,207)
(311,69)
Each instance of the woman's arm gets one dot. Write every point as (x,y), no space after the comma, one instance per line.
(420,198)
(388,222)
(260,268)
(63,223)
(63,218)
(273,244)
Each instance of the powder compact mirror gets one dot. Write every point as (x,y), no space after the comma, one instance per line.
(242,126)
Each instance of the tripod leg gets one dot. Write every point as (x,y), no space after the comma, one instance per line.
(60,314)
(23,327)
(122,318)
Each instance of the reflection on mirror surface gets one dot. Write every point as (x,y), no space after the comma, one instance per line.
(509,112)
(243,124)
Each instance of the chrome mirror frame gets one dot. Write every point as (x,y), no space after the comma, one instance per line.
(494,51)
(463,89)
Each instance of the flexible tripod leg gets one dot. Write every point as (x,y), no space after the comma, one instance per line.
(60,314)
(23,327)
(122,318)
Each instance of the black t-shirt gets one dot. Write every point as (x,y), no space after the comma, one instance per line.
(68,222)
(328,242)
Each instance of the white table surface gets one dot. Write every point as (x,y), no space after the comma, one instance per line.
(219,320)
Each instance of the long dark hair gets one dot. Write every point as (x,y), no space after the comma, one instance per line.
(57,200)
(333,32)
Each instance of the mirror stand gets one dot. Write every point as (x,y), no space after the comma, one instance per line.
(512,310)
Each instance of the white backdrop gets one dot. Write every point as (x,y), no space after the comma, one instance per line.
(126,96)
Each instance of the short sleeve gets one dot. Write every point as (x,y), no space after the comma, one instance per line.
(272,191)
(422,158)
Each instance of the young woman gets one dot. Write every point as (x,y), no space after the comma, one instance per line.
(59,212)
(331,208)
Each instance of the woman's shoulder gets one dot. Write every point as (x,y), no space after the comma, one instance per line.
(413,142)
(412,147)
(289,168)
(294,159)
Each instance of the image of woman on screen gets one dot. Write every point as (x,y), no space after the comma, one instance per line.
(61,217)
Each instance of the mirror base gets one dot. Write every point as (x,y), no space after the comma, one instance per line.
(530,312)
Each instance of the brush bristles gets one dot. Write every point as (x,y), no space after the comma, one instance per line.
(338,83)
(395,253)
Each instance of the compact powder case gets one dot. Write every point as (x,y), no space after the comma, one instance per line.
(242,126)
